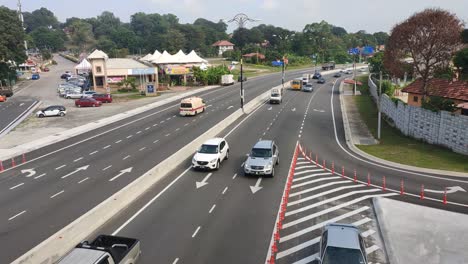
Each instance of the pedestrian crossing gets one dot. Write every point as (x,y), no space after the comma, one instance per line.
(316,197)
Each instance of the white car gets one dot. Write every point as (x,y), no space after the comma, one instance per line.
(73,95)
(211,154)
(54,110)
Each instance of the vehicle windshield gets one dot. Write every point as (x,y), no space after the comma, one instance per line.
(334,255)
(208,149)
(296,82)
(275,94)
(261,153)
(186,105)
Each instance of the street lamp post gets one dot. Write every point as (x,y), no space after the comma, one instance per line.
(379,122)
(285,38)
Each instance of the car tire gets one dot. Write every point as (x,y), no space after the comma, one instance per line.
(41,115)
(227,155)
(277,160)
(272,172)
(68,97)
(246,174)
(217,165)
(62,114)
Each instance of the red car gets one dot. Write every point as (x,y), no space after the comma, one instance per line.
(103,98)
(87,101)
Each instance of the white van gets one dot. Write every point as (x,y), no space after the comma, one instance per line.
(192,106)
(276,96)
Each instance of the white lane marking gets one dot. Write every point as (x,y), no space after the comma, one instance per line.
(212,208)
(196,231)
(139,132)
(322,224)
(57,194)
(37,177)
(143,148)
(168,134)
(177,129)
(168,118)
(156,141)
(175,261)
(317,180)
(319,187)
(174,115)
(58,168)
(16,186)
(147,128)
(242,165)
(94,152)
(129,136)
(187,124)
(122,172)
(106,168)
(150,202)
(306,167)
(75,171)
(307,171)
(311,176)
(155,125)
(224,191)
(209,106)
(230,107)
(303,162)
(128,156)
(118,141)
(371,249)
(106,147)
(21,104)
(194,120)
(300,158)
(16,215)
(162,121)
(367,233)
(235,175)
(83,180)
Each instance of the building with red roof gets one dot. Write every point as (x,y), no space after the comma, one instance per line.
(223,45)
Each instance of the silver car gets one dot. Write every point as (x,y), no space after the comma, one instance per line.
(307,88)
(262,159)
(341,244)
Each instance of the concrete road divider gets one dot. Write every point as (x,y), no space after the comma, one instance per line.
(53,248)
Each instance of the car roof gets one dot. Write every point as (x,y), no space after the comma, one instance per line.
(213,141)
(343,236)
(190,99)
(263,144)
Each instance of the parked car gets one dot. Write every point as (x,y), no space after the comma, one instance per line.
(337,75)
(45,69)
(104,98)
(54,110)
(88,93)
(87,101)
(341,243)
(308,88)
(211,154)
(317,75)
(321,80)
(73,95)
(262,159)
(35,76)
(65,75)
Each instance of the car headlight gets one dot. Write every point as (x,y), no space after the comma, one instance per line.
(194,160)
(213,161)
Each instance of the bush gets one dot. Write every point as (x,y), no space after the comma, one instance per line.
(388,88)
(436,104)
(210,76)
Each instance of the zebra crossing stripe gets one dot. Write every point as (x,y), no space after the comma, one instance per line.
(334,208)
(318,187)
(316,240)
(306,171)
(367,233)
(322,224)
(305,208)
(305,167)
(314,181)
(311,176)
(300,158)
(371,249)
(302,162)
(309,259)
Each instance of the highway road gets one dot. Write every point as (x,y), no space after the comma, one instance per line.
(62,181)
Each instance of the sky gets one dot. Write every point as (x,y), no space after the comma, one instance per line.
(369,15)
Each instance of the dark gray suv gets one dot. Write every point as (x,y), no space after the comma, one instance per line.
(262,159)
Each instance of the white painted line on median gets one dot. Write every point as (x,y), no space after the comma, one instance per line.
(150,202)
(21,104)
(168,134)
(106,147)
(303,162)
(58,168)
(225,189)
(235,175)
(311,176)
(196,231)
(308,259)
(16,215)
(16,186)
(94,152)
(55,195)
(307,171)
(143,148)
(118,141)
(107,167)
(139,132)
(128,156)
(367,233)
(306,167)
(319,187)
(156,141)
(175,261)
(212,208)
(315,181)
(147,128)
(37,177)
(371,249)
(230,107)
(83,180)
(129,136)
(187,124)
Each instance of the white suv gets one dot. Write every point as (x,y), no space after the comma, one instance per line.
(211,154)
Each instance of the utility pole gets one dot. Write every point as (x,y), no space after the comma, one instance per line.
(378,107)
(20,15)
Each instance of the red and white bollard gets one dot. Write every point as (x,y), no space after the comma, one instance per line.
(333,167)
(1,166)
(383,184)
(323,166)
(445,196)
(368,179)
(421,196)
(13,163)
(355,176)
(342,171)
(402,187)
(23,159)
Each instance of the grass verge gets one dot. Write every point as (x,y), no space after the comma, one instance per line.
(396,147)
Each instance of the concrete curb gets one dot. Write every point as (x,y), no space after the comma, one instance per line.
(379,214)
(20,119)
(53,248)
(357,151)
(36,144)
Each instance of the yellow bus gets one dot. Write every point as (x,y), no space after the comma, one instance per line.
(296,84)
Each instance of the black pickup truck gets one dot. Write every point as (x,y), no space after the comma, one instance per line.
(7,91)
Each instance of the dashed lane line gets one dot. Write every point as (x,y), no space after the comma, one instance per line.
(147,128)
(143,148)
(94,152)
(37,177)
(196,232)
(212,208)
(128,156)
(106,168)
(224,191)
(106,147)
(139,132)
(57,194)
(156,141)
(16,215)
(83,180)
(58,168)
(118,141)
(78,159)
(129,136)
(175,261)
(16,186)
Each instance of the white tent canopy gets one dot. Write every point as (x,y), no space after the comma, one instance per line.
(178,58)
(147,57)
(84,65)
(193,57)
(165,58)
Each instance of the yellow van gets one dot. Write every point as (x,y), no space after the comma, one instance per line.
(192,106)
(296,84)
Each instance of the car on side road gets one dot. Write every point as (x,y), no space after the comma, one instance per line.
(308,88)
(88,93)
(262,159)
(87,102)
(192,106)
(317,75)
(211,154)
(321,80)
(73,95)
(341,243)
(337,75)
(35,76)
(53,110)
(104,98)
(276,96)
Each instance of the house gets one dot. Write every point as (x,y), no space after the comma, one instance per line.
(223,45)
(453,90)
(256,55)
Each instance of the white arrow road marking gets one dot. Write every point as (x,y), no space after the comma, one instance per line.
(453,189)
(230,107)
(257,186)
(75,171)
(203,182)
(122,172)
(30,172)
(269,109)
(294,109)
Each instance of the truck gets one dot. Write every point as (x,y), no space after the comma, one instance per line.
(306,78)
(276,95)
(328,66)
(105,249)
(6,91)
(227,79)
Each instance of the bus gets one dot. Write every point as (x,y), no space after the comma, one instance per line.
(296,84)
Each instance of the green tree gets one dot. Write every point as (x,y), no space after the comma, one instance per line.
(436,104)
(105,44)
(461,62)
(464,36)
(376,63)
(381,37)
(11,37)
(42,17)
(46,55)
(106,24)
(44,37)
(82,35)
(174,40)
